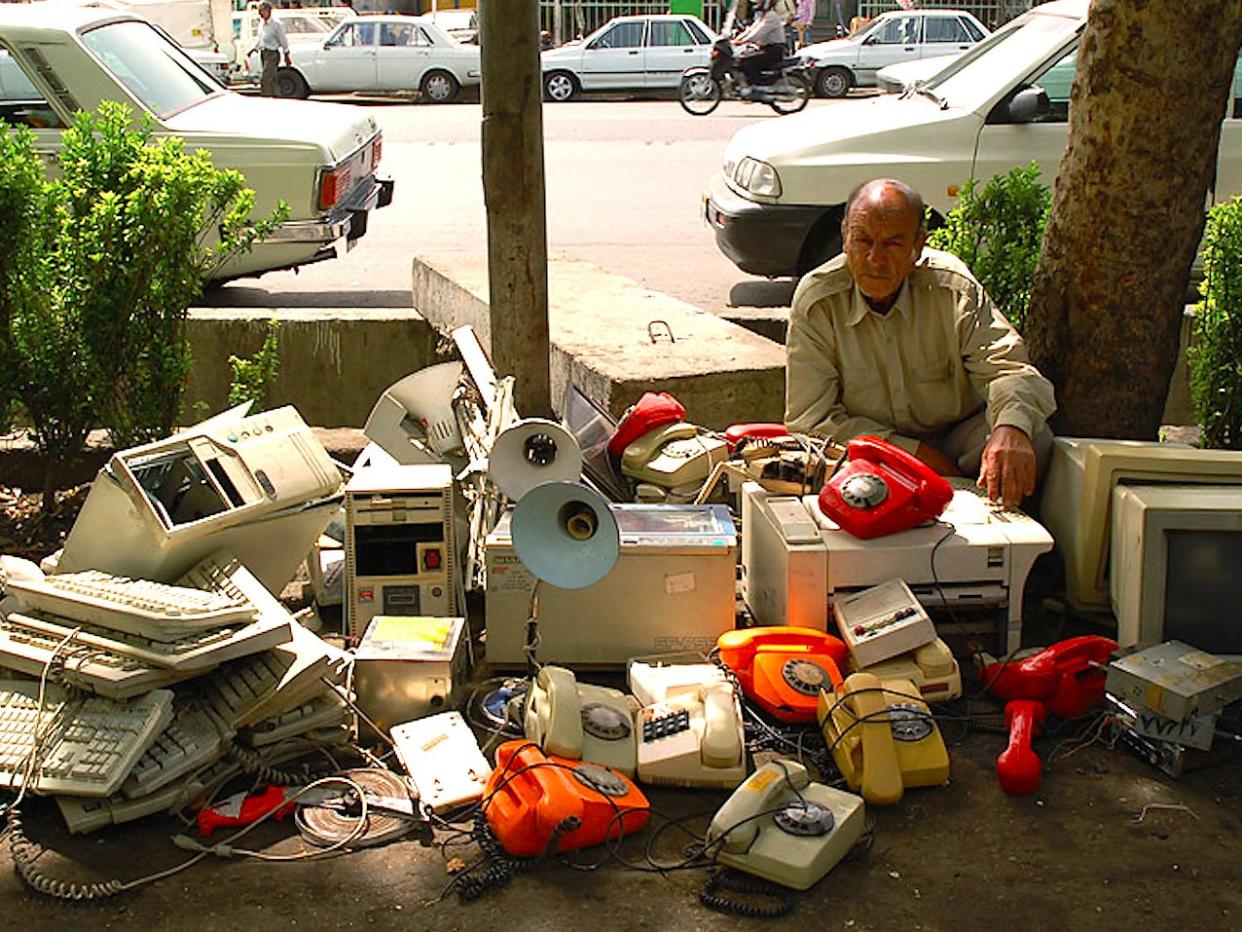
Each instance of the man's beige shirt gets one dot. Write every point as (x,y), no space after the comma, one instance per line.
(941,353)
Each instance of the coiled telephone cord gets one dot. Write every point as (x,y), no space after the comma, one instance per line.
(722,882)
(25,853)
(251,763)
(502,866)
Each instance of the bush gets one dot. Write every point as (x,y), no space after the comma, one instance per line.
(1215,356)
(98,271)
(253,378)
(997,232)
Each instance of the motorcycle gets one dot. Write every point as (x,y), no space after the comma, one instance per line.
(785,88)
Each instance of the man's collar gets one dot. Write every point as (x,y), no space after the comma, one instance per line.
(859,308)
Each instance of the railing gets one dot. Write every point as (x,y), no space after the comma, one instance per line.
(569,19)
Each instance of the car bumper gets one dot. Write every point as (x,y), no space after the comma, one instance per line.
(760,239)
(348,219)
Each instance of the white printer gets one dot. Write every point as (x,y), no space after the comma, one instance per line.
(795,560)
(673,589)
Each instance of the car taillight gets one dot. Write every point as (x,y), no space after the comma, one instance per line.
(333,185)
(377,150)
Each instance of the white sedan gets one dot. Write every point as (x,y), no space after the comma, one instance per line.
(628,53)
(382,54)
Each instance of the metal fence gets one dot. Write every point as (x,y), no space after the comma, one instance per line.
(991,14)
(567,19)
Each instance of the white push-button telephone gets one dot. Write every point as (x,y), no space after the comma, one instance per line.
(693,738)
(780,826)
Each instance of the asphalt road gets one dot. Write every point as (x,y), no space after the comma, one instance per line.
(624,182)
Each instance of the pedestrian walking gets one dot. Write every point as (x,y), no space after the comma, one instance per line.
(272,41)
(803,20)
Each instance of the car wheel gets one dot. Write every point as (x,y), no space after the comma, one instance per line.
(560,86)
(834,82)
(439,87)
(290,83)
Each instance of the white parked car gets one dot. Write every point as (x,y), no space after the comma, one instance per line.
(896,36)
(628,53)
(776,206)
(382,54)
(461,25)
(319,158)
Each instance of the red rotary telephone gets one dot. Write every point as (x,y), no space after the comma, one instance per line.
(881,489)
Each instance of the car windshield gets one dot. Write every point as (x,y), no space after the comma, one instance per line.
(1026,42)
(154,70)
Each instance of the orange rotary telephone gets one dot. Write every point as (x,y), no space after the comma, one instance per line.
(782,668)
(881,489)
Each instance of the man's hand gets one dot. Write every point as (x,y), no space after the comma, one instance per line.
(1008,467)
(937,460)
(288,60)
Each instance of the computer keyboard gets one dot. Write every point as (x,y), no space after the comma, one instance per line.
(195,738)
(150,609)
(325,711)
(86,746)
(195,653)
(27,648)
(261,686)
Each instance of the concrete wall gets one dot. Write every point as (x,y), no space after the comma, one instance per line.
(334,362)
(615,340)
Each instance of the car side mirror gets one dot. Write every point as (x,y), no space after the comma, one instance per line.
(1028,105)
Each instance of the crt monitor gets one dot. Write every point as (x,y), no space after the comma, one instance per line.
(1177,566)
(1077,498)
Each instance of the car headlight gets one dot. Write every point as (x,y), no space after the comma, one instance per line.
(757,177)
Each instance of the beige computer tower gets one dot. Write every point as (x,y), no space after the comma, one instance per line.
(400,546)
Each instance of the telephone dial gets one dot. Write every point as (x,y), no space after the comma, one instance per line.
(782,668)
(580,721)
(882,737)
(780,826)
(693,738)
(881,489)
(672,456)
(538,800)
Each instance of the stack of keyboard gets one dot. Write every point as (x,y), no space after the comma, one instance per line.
(155,692)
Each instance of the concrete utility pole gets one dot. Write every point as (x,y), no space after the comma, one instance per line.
(517,238)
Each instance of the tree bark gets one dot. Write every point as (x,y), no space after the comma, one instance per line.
(1152,85)
(513,190)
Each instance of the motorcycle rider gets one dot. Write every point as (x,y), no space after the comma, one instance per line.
(766,38)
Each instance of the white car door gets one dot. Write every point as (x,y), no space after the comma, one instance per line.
(1003,146)
(614,58)
(944,35)
(347,61)
(896,40)
(404,55)
(672,47)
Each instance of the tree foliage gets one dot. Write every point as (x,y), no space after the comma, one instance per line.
(1216,351)
(253,377)
(98,267)
(996,230)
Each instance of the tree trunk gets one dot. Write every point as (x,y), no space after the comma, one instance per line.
(1153,81)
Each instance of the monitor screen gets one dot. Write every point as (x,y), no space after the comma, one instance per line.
(1203,587)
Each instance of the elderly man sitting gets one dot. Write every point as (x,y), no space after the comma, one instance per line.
(902,342)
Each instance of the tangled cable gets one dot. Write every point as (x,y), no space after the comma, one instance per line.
(25,852)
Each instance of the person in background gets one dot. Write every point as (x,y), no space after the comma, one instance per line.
(803,20)
(767,35)
(272,41)
(903,343)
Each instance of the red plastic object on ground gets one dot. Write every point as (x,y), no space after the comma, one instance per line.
(244,809)
(652,410)
(736,433)
(781,668)
(1019,768)
(881,489)
(1066,680)
(532,797)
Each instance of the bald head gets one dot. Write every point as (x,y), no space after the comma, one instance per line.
(889,196)
(882,236)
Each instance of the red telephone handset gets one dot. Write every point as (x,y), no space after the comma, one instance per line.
(782,667)
(652,410)
(881,489)
(766,430)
